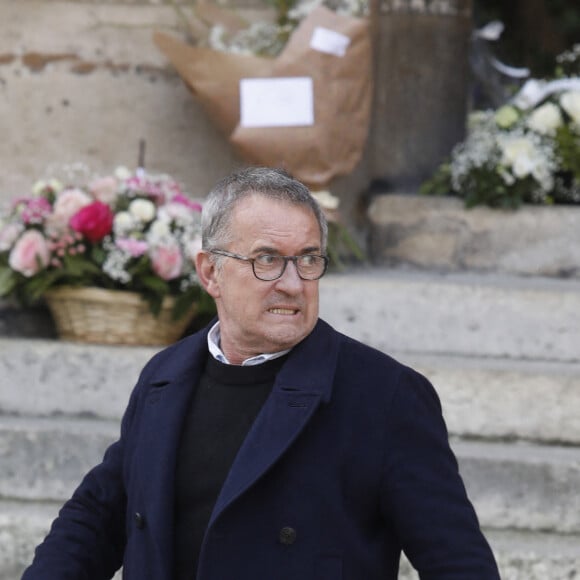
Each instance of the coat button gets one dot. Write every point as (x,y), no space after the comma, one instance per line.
(287,536)
(139,520)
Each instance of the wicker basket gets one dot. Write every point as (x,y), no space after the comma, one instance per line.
(102,316)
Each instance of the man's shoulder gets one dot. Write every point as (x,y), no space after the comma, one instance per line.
(175,356)
(356,354)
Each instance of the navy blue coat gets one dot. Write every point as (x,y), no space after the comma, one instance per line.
(347,463)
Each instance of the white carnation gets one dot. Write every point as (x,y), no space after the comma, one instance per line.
(528,155)
(123,223)
(545,119)
(519,153)
(570,102)
(142,210)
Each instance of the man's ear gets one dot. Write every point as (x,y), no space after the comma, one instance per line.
(207,273)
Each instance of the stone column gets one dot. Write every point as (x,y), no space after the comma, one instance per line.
(422,80)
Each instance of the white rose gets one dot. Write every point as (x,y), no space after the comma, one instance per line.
(506,116)
(519,153)
(523,166)
(142,210)
(325,199)
(42,185)
(570,102)
(123,223)
(122,173)
(545,119)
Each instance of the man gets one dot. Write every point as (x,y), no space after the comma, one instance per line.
(269,446)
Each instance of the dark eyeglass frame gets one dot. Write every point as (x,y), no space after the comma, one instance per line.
(286,259)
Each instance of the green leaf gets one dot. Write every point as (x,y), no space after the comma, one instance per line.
(8,281)
(439,183)
(155,285)
(77,266)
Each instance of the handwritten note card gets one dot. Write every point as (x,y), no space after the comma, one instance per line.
(276,102)
(329,41)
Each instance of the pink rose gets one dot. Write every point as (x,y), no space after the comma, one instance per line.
(176,212)
(94,221)
(167,261)
(30,254)
(132,246)
(9,234)
(184,200)
(104,189)
(69,202)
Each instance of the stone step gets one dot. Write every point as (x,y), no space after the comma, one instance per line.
(481,397)
(440,233)
(520,486)
(535,556)
(526,556)
(53,377)
(520,555)
(45,459)
(487,315)
(466,314)
(500,399)
(23,525)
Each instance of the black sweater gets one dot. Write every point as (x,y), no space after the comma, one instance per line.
(223,408)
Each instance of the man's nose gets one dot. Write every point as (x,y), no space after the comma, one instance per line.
(290,280)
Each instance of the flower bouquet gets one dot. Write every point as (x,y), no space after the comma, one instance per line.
(271,87)
(129,231)
(526,151)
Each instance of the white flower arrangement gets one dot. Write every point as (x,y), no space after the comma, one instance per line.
(268,38)
(518,155)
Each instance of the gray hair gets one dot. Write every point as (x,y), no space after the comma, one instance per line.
(269,182)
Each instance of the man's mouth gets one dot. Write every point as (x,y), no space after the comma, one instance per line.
(283,311)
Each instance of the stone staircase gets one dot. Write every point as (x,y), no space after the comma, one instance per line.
(502,347)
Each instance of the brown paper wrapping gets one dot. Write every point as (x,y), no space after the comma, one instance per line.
(342,97)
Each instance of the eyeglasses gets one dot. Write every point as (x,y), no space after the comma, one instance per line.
(268,267)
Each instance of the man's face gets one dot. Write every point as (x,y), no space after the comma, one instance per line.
(256,316)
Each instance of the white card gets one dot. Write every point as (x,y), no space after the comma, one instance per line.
(329,41)
(276,102)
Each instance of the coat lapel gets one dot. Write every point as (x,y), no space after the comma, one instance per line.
(302,384)
(165,408)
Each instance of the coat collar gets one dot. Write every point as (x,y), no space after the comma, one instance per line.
(310,367)
(304,382)
(312,363)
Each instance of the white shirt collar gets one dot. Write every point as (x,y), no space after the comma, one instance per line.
(213,344)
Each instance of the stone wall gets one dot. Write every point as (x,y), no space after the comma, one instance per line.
(82,81)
